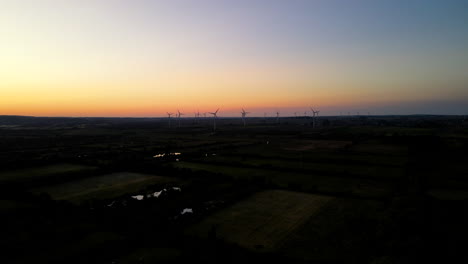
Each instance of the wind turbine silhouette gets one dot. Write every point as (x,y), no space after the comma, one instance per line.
(179,114)
(169,115)
(214,118)
(244,113)
(197,116)
(313,116)
(277,117)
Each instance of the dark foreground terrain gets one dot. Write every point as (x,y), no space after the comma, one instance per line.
(387,189)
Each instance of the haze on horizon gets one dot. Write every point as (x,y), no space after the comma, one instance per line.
(143,58)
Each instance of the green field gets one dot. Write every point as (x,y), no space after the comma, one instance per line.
(42,172)
(304,181)
(448,194)
(343,231)
(353,169)
(101,187)
(264,221)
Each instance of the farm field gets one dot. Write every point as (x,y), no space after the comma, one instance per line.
(304,181)
(329,167)
(263,221)
(101,187)
(343,231)
(36,173)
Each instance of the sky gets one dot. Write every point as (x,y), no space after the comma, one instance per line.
(144,58)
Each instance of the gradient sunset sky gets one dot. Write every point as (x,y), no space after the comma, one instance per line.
(143,58)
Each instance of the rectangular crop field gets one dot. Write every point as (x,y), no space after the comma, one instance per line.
(264,220)
(306,181)
(101,187)
(43,172)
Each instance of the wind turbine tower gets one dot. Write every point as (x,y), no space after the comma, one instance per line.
(197,117)
(179,114)
(244,113)
(314,113)
(169,115)
(277,117)
(214,118)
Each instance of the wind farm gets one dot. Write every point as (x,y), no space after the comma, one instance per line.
(195,121)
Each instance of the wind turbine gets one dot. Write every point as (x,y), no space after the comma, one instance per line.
(179,114)
(214,118)
(169,115)
(277,117)
(295,114)
(244,113)
(197,116)
(313,116)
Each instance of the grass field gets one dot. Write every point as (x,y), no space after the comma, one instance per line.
(306,181)
(343,231)
(101,187)
(374,153)
(41,172)
(376,171)
(448,194)
(263,221)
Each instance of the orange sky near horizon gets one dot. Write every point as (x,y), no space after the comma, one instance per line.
(115,58)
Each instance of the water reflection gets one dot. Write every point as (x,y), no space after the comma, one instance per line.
(168,154)
(187,211)
(151,195)
(138,197)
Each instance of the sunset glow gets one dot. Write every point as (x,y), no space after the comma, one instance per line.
(144,58)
